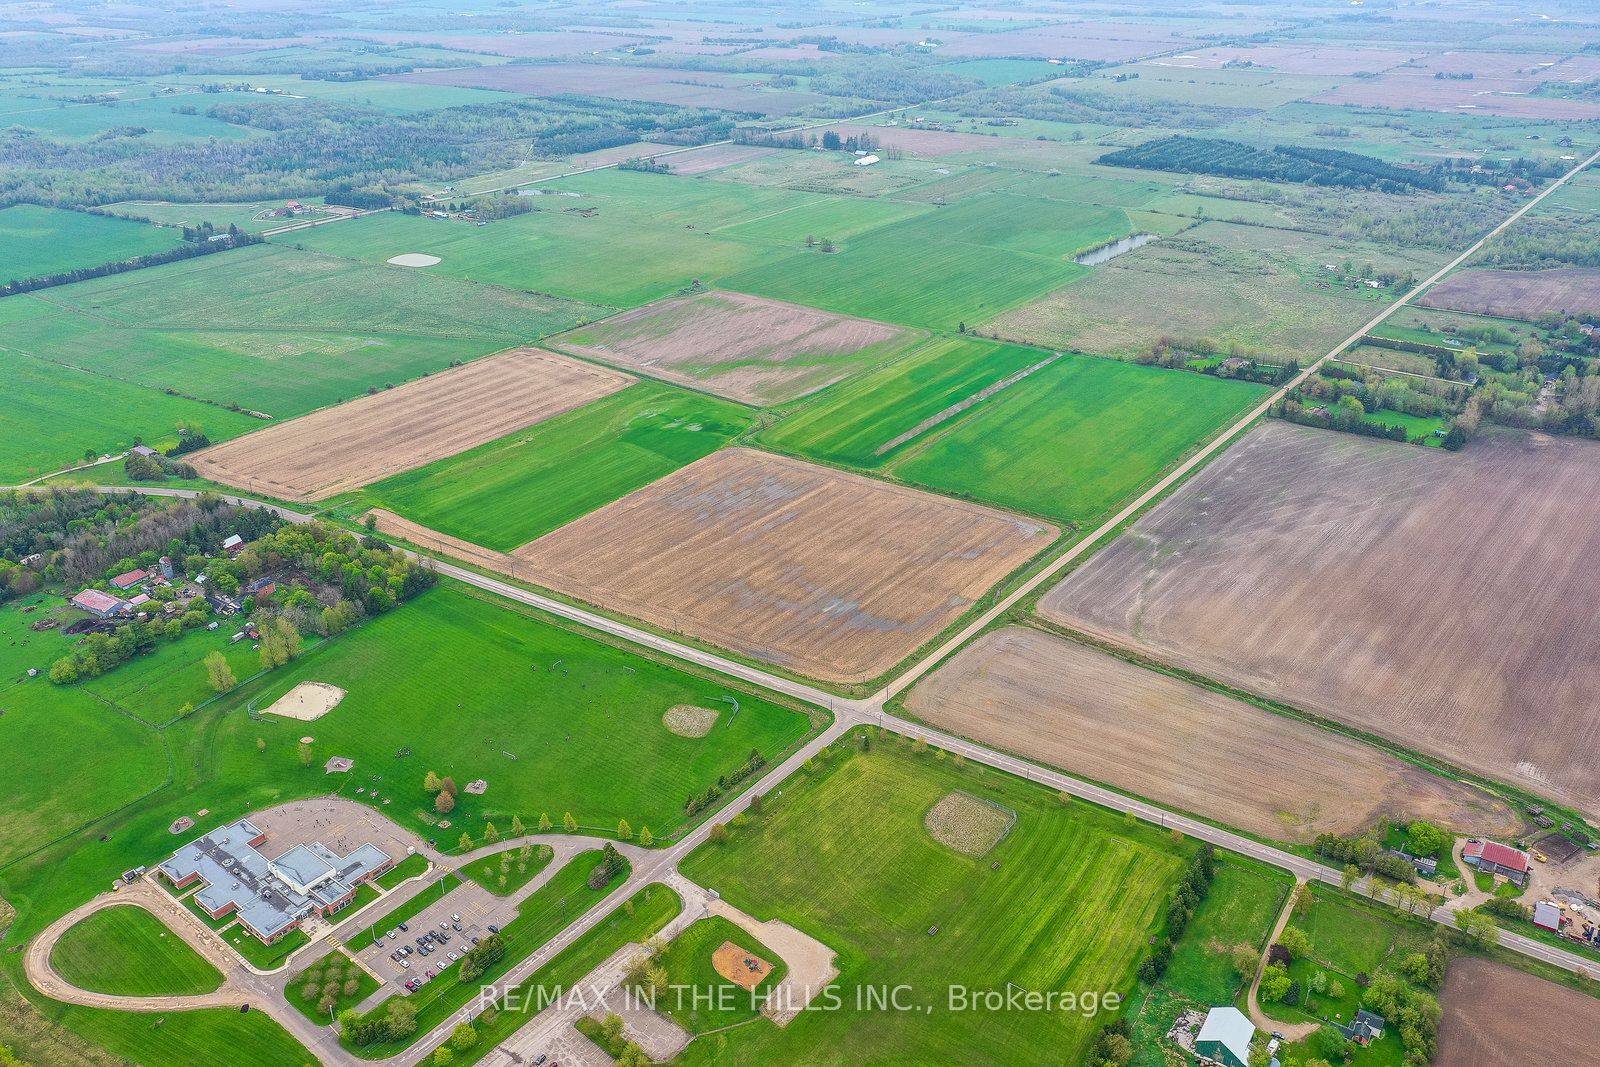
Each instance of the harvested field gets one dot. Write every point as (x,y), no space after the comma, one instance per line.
(829,574)
(706,160)
(970,826)
(689,720)
(307,701)
(1518,294)
(924,143)
(1424,596)
(743,347)
(1497,1016)
(661,85)
(1291,59)
(342,448)
(1090,713)
(1483,96)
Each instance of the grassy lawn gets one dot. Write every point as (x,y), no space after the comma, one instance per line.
(553,720)
(264,957)
(508,492)
(404,871)
(186,1038)
(698,998)
(638,920)
(64,740)
(506,872)
(1069,441)
(335,979)
(1419,430)
(44,240)
(129,952)
(554,907)
(1064,902)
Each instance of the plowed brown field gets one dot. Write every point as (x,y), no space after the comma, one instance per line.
(1441,600)
(830,574)
(345,447)
(744,347)
(1518,294)
(1047,698)
(1495,1016)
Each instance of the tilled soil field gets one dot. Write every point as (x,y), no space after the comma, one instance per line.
(1518,294)
(1090,713)
(350,445)
(1496,1016)
(742,347)
(832,575)
(1440,600)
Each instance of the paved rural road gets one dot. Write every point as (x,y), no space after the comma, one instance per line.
(661,865)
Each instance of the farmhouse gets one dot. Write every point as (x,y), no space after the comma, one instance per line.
(1225,1037)
(101,605)
(129,579)
(233,545)
(1364,1029)
(1491,857)
(271,897)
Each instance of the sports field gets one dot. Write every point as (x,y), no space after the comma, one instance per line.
(129,952)
(508,492)
(554,721)
(1064,902)
(40,241)
(709,1000)
(1067,441)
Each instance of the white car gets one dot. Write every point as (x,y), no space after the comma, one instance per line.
(453,956)
(405,964)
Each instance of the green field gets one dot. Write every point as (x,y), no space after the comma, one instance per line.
(65,778)
(1068,442)
(185,1038)
(403,871)
(129,952)
(1064,902)
(555,721)
(272,329)
(698,998)
(669,231)
(1419,430)
(508,492)
(964,263)
(40,241)
(162,119)
(250,217)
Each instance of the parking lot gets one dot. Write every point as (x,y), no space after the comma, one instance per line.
(478,910)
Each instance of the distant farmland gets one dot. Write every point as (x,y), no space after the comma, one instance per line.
(660,85)
(45,240)
(1424,596)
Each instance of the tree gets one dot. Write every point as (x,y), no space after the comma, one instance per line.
(465,842)
(1426,838)
(448,785)
(1302,898)
(569,824)
(401,1020)
(544,822)
(1245,960)
(220,674)
(490,834)
(444,802)
(1297,941)
(646,838)
(718,834)
(1349,876)
(624,831)
(463,1037)
(430,783)
(1275,983)
(517,829)
(1480,929)
(306,754)
(442,1056)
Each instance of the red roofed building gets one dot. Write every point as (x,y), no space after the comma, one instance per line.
(130,579)
(1491,857)
(102,605)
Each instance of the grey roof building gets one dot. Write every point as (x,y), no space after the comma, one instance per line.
(271,897)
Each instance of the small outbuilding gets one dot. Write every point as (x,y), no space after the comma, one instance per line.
(1547,914)
(1225,1036)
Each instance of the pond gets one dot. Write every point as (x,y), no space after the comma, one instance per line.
(1105,253)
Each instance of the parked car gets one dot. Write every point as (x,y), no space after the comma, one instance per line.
(454,957)
(454,919)
(493,929)
(405,927)
(406,964)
